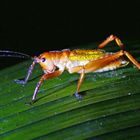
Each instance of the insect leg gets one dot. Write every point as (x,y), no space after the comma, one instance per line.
(77,95)
(109,39)
(45,77)
(95,65)
(92,66)
(100,63)
(75,69)
(132,59)
(78,69)
(28,74)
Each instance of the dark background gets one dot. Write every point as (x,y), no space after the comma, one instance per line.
(35,27)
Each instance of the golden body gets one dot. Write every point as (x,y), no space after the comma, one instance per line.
(69,60)
(79,61)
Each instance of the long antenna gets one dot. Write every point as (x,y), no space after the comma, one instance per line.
(7,53)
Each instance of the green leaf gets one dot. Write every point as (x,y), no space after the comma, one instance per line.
(110,108)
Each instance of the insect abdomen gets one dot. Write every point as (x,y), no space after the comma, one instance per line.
(81,55)
(114,65)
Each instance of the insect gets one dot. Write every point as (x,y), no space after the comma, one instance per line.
(79,61)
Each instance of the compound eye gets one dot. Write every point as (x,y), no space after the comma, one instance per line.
(43,59)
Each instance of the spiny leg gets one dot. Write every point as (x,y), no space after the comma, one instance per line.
(77,95)
(44,77)
(109,39)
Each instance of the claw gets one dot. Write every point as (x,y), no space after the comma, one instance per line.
(20,81)
(78,96)
(30,103)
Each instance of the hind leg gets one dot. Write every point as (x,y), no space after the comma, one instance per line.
(109,39)
(100,63)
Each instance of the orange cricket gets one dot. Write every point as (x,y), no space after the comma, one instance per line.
(79,61)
